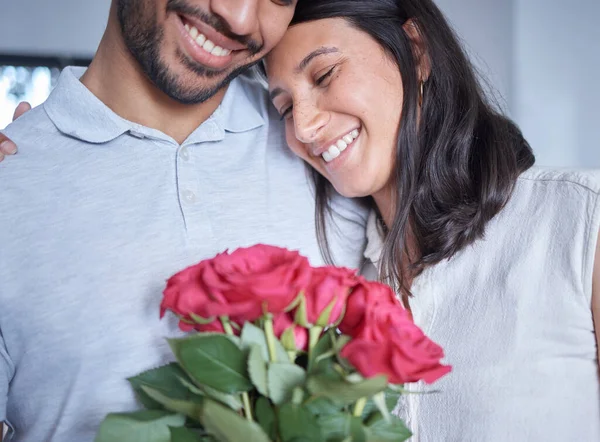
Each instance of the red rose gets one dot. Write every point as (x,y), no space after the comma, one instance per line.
(389,343)
(186,293)
(243,284)
(329,288)
(282,324)
(367,294)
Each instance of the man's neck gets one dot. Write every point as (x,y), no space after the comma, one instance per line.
(116,78)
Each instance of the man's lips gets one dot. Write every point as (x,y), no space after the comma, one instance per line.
(213,35)
(201,50)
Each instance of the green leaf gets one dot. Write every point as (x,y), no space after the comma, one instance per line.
(323,319)
(391,400)
(165,379)
(324,347)
(345,392)
(232,401)
(335,426)
(357,430)
(342,426)
(288,339)
(393,430)
(300,317)
(320,406)
(183,434)
(294,303)
(265,415)
(340,342)
(296,423)
(381,404)
(200,320)
(282,379)
(213,360)
(227,426)
(251,334)
(257,368)
(191,409)
(140,426)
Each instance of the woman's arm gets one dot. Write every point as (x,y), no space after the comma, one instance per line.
(596,296)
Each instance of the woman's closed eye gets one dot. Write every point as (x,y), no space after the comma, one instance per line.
(285,112)
(321,80)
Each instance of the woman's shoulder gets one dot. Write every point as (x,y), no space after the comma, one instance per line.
(583,179)
(551,197)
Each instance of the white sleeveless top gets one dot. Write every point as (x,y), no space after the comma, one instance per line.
(513,313)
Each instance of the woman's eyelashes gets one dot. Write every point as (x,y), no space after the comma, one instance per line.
(286,112)
(319,81)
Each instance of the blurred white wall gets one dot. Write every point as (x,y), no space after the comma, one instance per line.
(556,72)
(541,56)
(486,30)
(70,28)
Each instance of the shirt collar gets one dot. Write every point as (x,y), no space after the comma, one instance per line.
(244,106)
(78,113)
(374,239)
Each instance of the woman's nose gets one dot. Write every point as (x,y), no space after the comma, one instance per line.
(309,122)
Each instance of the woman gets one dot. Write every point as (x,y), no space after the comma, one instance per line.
(494,258)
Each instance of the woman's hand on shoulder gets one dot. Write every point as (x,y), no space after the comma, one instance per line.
(7,147)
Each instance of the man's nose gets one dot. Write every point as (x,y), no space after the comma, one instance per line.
(240,15)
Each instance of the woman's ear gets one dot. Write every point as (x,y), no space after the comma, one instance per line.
(422,60)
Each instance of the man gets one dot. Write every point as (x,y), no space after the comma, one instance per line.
(159,155)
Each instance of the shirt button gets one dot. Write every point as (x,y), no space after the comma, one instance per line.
(189,196)
(184,154)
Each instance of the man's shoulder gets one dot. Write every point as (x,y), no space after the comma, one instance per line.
(40,144)
(32,128)
(255,84)
(256,89)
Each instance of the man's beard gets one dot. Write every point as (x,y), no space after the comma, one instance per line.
(143,38)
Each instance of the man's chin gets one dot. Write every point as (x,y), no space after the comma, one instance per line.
(191,83)
(187,87)
(191,96)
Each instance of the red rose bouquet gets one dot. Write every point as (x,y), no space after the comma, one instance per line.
(282,352)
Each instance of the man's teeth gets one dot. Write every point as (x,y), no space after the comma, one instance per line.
(205,43)
(339,146)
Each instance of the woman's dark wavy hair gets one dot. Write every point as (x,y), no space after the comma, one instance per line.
(457,165)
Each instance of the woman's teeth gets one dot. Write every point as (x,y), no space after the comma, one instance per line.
(339,146)
(205,43)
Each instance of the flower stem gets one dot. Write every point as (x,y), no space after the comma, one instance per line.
(270,334)
(359,407)
(247,406)
(245,397)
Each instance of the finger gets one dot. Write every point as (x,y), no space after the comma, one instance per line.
(7,147)
(1,157)
(21,109)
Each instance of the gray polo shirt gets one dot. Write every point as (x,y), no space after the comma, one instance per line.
(97,212)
